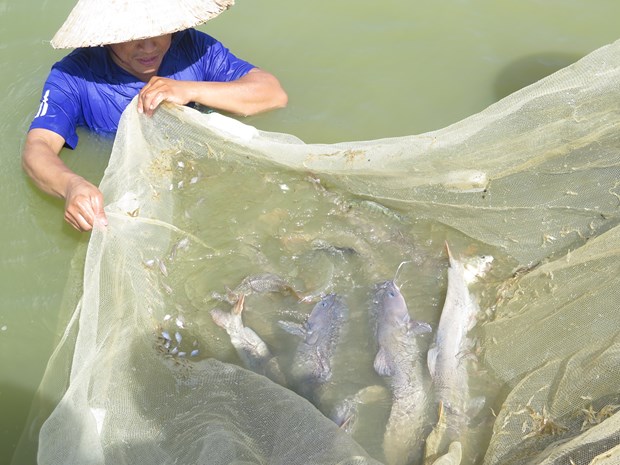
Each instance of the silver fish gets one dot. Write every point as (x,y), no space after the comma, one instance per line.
(252,350)
(312,363)
(400,359)
(448,355)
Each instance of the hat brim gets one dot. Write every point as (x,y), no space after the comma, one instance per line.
(93,23)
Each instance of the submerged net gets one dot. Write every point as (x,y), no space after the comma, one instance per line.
(198,202)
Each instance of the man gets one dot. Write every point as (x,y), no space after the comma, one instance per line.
(147,49)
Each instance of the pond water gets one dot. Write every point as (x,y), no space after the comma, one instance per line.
(352,72)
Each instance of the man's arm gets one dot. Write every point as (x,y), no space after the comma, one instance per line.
(256,92)
(40,160)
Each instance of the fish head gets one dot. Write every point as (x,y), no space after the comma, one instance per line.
(476,267)
(328,310)
(472,268)
(390,302)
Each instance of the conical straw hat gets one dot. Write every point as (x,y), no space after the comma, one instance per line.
(100,22)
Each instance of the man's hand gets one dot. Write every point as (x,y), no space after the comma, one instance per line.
(84,205)
(83,201)
(160,89)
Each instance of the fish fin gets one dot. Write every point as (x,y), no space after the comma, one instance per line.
(324,370)
(231,296)
(311,336)
(452,457)
(292,328)
(419,327)
(295,293)
(431,358)
(382,364)
(372,394)
(347,424)
(226,320)
(450,256)
(274,371)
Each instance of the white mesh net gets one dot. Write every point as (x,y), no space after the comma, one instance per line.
(197,202)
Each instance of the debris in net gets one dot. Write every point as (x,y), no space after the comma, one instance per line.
(162,267)
(183,244)
(167,288)
(593,417)
(171,345)
(542,424)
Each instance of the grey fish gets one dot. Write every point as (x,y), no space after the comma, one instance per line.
(400,359)
(252,350)
(312,363)
(258,284)
(448,354)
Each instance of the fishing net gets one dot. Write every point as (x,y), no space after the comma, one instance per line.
(198,202)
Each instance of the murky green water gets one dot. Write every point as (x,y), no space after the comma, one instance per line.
(353,71)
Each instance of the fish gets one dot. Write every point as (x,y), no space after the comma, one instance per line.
(346,413)
(251,349)
(447,357)
(258,284)
(400,359)
(312,363)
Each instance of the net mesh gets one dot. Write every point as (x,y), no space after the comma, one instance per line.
(534,180)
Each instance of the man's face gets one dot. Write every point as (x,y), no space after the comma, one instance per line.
(141,58)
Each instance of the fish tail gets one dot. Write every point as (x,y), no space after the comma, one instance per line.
(238,308)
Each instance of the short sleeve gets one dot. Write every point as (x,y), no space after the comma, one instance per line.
(59,108)
(217,62)
(223,66)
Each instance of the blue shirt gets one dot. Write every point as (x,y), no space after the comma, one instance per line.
(86,88)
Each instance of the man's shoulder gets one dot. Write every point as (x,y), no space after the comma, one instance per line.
(192,39)
(82,61)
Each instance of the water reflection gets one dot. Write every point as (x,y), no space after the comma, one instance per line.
(529,69)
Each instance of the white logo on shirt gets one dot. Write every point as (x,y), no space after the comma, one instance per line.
(43,107)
